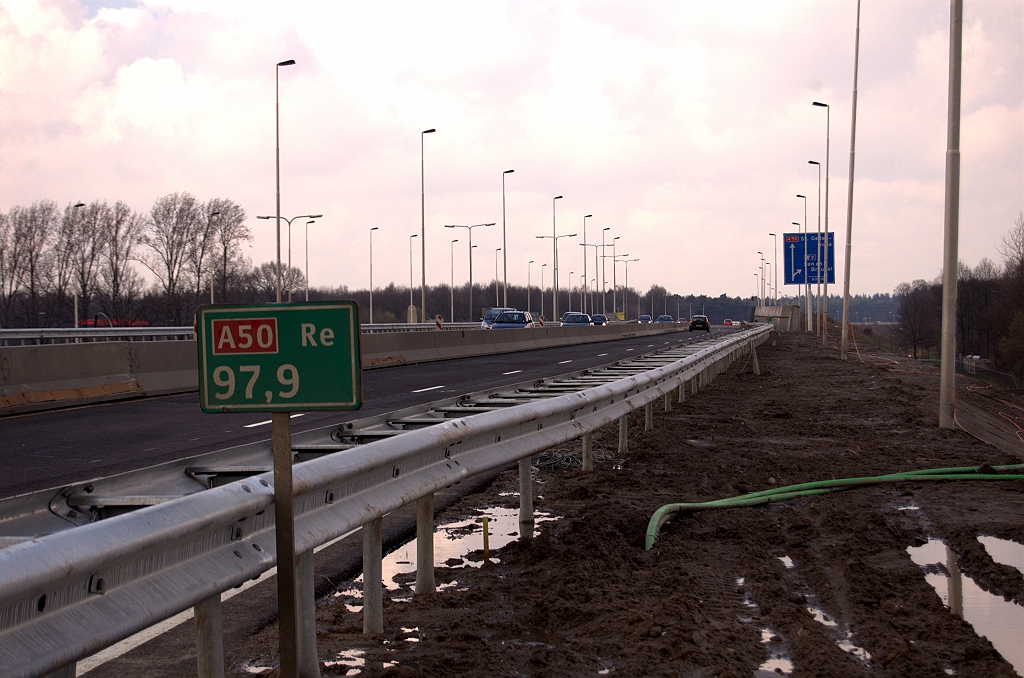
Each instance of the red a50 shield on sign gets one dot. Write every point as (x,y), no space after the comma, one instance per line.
(250,335)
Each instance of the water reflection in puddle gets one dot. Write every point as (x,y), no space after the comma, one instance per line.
(998,620)
(456,544)
(778,661)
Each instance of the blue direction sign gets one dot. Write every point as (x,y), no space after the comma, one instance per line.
(800,257)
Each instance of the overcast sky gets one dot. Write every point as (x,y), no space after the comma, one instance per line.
(683,127)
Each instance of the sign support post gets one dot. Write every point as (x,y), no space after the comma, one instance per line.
(284,528)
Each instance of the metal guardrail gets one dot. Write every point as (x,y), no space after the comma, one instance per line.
(66,595)
(52,335)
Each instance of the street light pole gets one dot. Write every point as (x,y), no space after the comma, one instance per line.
(311,221)
(279,219)
(849,199)
(951,221)
(470,230)
(277,160)
(423,234)
(615,284)
(625,293)
(542,267)
(807,274)
(408,315)
(451,254)
(554,267)
(371,272)
(817,260)
(496,276)
(529,270)
(583,304)
(762,302)
(776,267)
(554,280)
(504,244)
(604,278)
(828,123)
(570,291)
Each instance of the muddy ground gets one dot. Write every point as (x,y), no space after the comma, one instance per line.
(714,597)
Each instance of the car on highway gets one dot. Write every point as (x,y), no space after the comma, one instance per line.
(576,320)
(666,319)
(599,319)
(700,322)
(491,314)
(727,322)
(644,319)
(513,320)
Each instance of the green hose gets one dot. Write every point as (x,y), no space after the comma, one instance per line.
(826,486)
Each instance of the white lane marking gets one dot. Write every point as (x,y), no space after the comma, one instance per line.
(432,388)
(601,354)
(132,642)
(269,421)
(562,362)
(505,374)
(629,349)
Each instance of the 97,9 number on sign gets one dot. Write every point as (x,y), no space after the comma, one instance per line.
(224,377)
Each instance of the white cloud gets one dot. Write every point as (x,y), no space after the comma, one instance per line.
(685,127)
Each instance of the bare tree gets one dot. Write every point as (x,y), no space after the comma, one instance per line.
(90,241)
(201,249)
(122,284)
(169,236)
(262,282)
(231,231)
(12,270)
(916,322)
(33,228)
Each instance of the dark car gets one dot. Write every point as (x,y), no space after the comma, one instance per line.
(666,319)
(599,319)
(644,319)
(700,322)
(491,315)
(576,320)
(512,320)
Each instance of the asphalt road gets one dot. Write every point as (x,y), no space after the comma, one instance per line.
(50,449)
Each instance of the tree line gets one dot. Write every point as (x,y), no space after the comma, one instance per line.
(52,259)
(989,308)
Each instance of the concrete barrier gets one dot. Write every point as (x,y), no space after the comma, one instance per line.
(62,375)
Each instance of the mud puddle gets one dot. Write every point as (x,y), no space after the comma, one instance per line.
(991,616)
(456,544)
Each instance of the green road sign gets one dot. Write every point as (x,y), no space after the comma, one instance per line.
(279,357)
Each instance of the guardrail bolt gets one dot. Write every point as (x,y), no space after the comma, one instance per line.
(97,585)
(329,498)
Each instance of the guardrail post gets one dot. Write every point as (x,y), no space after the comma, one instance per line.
(753,359)
(588,452)
(623,432)
(309,662)
(525,498)
(425,545)
(209,639)
(682,392)
(668,401)
(649,417)
(373,597)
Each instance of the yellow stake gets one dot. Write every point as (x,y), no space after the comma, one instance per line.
(487,548)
